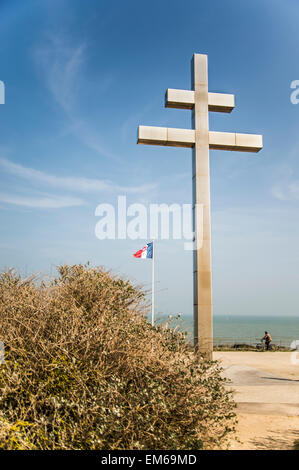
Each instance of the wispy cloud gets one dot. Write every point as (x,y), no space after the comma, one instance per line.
(287,186)
(70,182)
(288,191)
(62,64)
(51,202)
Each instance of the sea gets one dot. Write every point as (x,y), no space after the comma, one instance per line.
(249,329)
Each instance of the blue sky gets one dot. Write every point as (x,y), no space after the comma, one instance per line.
(81,75)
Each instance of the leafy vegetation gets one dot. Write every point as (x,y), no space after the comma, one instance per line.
(85,370)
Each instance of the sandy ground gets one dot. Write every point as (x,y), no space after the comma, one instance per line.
(266,389)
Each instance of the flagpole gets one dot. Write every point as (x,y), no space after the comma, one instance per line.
(153,285)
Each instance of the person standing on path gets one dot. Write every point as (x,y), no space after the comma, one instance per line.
(267,339)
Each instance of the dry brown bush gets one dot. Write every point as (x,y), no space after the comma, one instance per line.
(85,370)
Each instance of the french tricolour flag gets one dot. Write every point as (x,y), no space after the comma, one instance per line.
(145,252)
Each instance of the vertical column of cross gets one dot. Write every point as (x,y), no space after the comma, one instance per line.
(202,282)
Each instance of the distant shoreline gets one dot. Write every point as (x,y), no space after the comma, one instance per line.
(231,329)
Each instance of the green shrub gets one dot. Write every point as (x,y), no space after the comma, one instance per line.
(85,370)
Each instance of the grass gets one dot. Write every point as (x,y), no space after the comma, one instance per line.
(241,348)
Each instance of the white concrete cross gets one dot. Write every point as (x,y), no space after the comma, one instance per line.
(200,139)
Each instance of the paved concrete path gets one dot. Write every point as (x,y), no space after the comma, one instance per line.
(266,390)
(260,392)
